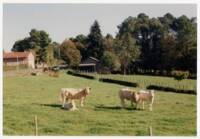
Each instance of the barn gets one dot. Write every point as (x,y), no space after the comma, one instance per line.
(90,64)
(19,58)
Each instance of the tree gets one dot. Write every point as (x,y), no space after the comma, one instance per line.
(127,50)
(50,55)
(95,41)
(110,62)
(186,47)
(69,53)
(81,44)
(38,41)
(109,43)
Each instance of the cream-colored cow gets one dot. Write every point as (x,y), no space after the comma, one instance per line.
(142,96)
(127,94)
(70,94)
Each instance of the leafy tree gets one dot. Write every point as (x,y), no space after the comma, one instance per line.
(95,41)
(109,43)
(110,61)
(38,41)
(186,47)
(127,50)
(50,55)
(69,53)
(81,44)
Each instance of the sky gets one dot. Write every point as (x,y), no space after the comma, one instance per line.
(63,21)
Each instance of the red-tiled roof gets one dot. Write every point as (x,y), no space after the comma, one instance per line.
(16,54)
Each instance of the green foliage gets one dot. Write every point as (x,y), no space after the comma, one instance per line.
(95,41)
(37,41)
(180,75)
(69,53)
(110,61)
(127,50)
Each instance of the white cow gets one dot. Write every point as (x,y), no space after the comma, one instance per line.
(70,94)
(142,96)
(127,94)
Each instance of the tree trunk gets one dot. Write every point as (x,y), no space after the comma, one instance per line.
(124,70)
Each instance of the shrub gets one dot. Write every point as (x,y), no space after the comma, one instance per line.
(169,89)
(180,75)
(81,75)
(126,83)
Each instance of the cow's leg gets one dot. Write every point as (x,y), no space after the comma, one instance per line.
(122,102)
(63,100)
(73,105)
(132,103)
(137,105)
(82,99)
(143,105)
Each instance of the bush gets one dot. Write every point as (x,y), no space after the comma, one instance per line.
(169,89)
(180,75)
(81,75)
(126,83)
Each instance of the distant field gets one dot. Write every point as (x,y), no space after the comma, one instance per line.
(24,97)
(145,80)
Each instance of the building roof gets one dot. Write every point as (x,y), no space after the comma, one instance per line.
(89,64)
(16,54)
(93,58)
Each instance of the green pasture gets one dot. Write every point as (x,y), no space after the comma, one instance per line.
(145,80)
(24,97)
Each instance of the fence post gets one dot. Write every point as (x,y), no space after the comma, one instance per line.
(36,126)
(150,131)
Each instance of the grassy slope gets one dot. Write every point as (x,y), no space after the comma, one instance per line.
(25,97)
(144,80)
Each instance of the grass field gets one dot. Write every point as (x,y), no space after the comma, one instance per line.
(24,97)
(144,80)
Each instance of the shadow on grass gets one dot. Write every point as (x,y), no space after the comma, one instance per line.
(102,107)
(51,105)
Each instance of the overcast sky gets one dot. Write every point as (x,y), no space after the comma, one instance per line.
(68,20)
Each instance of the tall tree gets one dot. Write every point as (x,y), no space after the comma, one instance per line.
(95,41)
(110,62)
(69,53)
(81,44)
(38,41)
(127,50)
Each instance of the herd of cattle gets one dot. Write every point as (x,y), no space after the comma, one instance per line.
(137,97)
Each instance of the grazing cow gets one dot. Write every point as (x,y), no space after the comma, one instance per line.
(127,94)
(70,94)
(143,96)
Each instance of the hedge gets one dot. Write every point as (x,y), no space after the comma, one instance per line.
(169,89)
(126,83)
(81,75)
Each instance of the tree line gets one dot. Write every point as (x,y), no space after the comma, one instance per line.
(142,44)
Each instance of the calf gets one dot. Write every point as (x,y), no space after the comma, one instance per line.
(127,94)
(70,94)
(143,96)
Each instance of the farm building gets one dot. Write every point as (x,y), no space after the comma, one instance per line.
(90,64)
(19,58)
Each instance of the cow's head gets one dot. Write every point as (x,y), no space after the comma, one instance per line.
(87,90)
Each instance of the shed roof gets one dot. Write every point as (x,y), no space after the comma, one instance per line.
(16,54)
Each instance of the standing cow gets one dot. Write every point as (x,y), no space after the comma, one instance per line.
(70,94)
(127,94)
(142,96)
(136,97)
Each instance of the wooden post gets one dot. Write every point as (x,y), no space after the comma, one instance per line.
(150,131)
(36,126)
